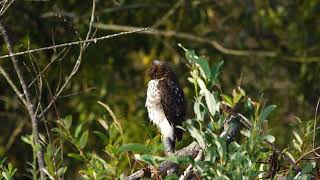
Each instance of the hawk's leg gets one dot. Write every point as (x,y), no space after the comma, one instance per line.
(169,150)
(168,145)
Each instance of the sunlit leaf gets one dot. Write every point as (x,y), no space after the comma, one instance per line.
(75,156)
(269,138)
(297,136)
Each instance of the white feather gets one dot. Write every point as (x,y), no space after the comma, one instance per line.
(155,110)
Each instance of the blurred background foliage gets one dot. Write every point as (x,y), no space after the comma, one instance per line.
(270,48)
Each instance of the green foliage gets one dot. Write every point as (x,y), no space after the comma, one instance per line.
(7,172)
(241,159)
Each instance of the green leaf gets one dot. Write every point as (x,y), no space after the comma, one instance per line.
(75,156)
(77,131)
(67,122)
(62,171)
(290,156)
(202,62)
(269,138)
(197,135)
(205,69)
(84,139)
(172,177)
(297,136)
(101,135)
(265,112)
(150,159)
(212,104)
(227,99)
(134,147)
(215,71)
(307,168)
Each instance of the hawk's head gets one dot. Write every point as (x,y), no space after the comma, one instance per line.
(160,69)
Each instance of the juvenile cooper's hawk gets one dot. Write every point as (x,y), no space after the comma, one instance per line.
(165,103)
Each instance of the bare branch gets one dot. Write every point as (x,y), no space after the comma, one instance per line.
(215,44)
(29,105)
(75,43)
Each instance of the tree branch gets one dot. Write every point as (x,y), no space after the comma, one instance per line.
(215,44)
(29,105)
(191,150)
(188,171)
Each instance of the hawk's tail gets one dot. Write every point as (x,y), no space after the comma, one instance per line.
(178,132)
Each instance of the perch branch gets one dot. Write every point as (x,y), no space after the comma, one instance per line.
(188,171)
(191,150)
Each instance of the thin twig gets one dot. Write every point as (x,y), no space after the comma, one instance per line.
(307,153)
(74,43)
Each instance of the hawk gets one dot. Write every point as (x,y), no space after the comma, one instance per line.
(165,103)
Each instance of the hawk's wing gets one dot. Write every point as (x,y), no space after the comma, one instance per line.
(172,101)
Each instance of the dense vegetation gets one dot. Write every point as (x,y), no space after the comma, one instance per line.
(253,73)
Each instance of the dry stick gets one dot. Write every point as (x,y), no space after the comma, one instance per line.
(215,44)
(74,43)
(29,104)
